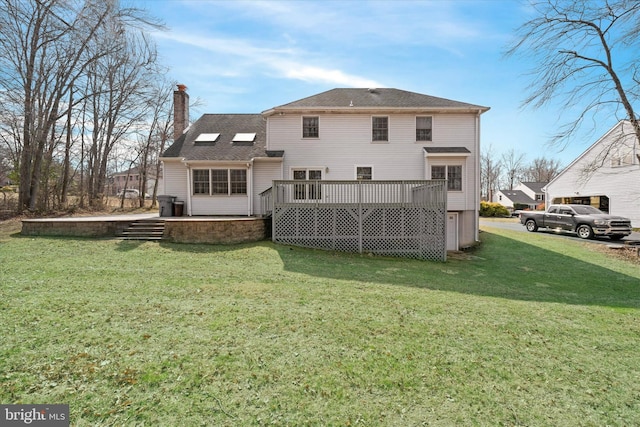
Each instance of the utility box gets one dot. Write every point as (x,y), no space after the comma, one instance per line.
(165,204)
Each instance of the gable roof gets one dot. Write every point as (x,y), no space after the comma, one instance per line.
(222,147)
(359,99)
(536,187)
(518,196)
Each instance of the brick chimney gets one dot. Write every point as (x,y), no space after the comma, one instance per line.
(180,111)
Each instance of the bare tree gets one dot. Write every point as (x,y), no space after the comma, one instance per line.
(121,88)
(586,56)
(513,165)
(490,170)
(153,143)
(47,47)
(42,49)
(542,170)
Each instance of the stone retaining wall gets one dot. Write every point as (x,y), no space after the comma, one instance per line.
(218,231)
(75,228)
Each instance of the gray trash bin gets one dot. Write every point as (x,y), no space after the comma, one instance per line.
(165,204)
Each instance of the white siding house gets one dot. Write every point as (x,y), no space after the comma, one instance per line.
(525,195)
(341,134)
(606,176)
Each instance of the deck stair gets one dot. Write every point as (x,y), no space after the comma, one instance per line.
(144,229)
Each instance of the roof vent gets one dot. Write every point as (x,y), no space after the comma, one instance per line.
(372,90)
(351,103)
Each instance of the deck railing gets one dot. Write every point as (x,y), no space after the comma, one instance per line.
(386,193)
(266,202)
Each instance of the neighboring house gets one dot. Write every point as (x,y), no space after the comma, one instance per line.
(606,176)
(131,179)
(526,194)
(223,162)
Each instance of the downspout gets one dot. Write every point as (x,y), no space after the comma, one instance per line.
(164,179)
(476,196)
(250,187)
(188,189)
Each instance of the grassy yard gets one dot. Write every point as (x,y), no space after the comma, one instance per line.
(526,330)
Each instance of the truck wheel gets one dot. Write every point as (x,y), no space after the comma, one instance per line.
(531,225)
(584,231)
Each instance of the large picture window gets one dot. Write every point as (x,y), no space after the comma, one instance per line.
(380,128)
(452,173)
(219,181)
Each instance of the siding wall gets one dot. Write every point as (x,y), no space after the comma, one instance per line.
(345,141)
(264,172)
(174,180)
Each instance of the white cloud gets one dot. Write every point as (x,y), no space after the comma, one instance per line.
(323,75)
(284,62)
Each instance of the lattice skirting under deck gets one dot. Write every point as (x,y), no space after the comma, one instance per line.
(412,232)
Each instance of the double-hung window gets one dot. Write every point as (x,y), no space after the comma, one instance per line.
(201,181)
(452,173)
(237,181)
(219,181)
(310,127)
(380,128)
(424,126)
(213,182)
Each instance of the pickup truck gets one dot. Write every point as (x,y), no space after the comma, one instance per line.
(584,220)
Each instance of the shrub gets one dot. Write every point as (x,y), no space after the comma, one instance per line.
(488,209)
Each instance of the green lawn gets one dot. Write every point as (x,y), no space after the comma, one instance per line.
(529,330)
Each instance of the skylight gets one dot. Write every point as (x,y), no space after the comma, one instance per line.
(207,137)
(244,137)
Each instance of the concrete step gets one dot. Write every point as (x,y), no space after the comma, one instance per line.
(143,230)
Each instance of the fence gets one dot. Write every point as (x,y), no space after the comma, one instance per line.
(392,218)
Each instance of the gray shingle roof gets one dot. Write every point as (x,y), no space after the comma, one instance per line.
(227,125)
(375,98)
(518,196)
(536,187)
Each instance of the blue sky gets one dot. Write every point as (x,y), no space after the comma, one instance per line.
(248,56)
